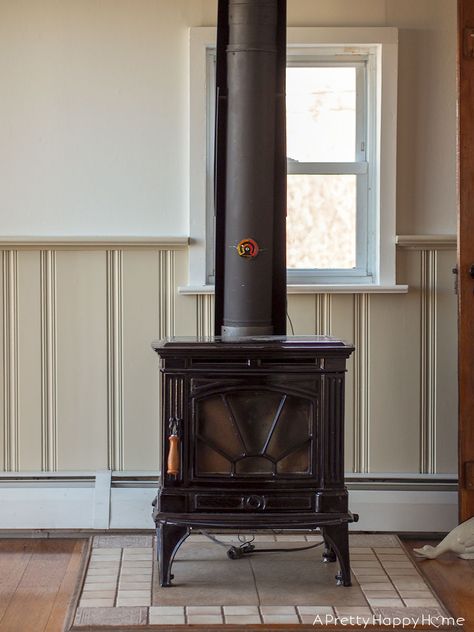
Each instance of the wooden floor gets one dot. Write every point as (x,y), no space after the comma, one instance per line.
(37,583)
(452,579)
(38,579)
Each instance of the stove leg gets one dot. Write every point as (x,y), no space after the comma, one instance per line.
(329,555)
(169,539)
(338,538)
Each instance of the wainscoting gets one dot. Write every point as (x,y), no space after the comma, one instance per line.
(81,385)
(80,392)
(80,381)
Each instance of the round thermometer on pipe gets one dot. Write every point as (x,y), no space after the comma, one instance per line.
(248,248)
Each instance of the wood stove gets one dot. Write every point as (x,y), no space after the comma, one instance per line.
(252,420)
(253,439)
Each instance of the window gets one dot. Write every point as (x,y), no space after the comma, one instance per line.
(328,222)
(341,130)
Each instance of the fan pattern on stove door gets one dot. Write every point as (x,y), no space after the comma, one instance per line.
(253,433)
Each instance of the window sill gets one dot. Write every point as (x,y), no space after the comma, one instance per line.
(312,289)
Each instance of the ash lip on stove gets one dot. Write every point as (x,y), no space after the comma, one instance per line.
(252,421)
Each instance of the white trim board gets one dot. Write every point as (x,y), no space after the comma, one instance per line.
(83,504)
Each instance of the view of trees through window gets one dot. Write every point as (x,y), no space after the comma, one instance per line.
(321,129)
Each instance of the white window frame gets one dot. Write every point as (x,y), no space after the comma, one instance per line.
(380,45)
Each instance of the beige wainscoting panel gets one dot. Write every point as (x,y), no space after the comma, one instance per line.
(205,314)
(33,427)
(446,366)
(302,312)
(394,397)
(11,431)
(186,318)
(342,326)
(81,347)
(80,383)
(143,293)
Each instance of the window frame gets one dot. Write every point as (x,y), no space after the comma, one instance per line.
(380,47)
(362,60)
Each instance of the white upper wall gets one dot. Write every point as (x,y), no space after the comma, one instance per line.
(94,111)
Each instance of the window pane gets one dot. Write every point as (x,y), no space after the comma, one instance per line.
(321,114)
(321,225)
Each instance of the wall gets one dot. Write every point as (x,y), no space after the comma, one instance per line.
(94,121)
(94,141)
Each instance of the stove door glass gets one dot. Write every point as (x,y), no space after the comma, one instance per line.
(253,432)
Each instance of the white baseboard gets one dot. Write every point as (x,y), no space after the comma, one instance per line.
(102,501)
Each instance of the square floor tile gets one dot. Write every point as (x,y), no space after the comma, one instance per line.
(421,603)
(167,610)
(98,594)
(286,610)
(381,594)
(166,619)
(314,610)
(243,619)
(280,618)
(378,586)
(372,579)
(129,594)
(96,603)
(367,571)
(134,601)
(100,586)
(240,610)
(402,572)
(416,594)
(111,616)
(95,572)
(134,586)
(391,602)
(353,611)
(142,578)
(100,579)
(191,610)
(205,619)
(361,565)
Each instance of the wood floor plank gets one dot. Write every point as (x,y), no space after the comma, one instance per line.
(451,578)
(14,558)
(69,589)
(29,609)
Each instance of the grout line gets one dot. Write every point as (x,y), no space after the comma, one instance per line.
(300,620)
(255,583)
(387,574)
(152,573)
(118,579)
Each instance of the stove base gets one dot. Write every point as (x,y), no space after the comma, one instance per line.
(172,531)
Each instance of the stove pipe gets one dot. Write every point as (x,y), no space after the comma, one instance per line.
(251,169)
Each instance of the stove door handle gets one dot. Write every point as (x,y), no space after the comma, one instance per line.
(173,455)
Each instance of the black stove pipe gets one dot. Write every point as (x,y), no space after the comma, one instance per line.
(251,169)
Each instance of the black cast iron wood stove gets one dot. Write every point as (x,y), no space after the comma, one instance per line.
(252,419)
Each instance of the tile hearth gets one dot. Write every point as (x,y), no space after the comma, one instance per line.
(120,586)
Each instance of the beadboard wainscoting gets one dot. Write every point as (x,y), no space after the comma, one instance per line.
(80,384)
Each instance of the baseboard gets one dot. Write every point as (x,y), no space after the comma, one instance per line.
(115,501)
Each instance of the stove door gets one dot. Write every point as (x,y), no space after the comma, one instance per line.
(253,429)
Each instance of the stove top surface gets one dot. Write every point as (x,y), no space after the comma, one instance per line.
(252,342)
